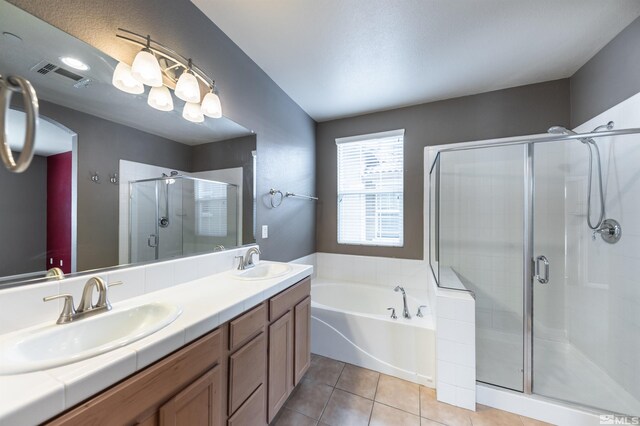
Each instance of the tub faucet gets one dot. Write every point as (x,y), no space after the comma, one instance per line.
(405,309)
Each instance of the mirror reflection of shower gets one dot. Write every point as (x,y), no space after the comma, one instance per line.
(609,229)
(176,215)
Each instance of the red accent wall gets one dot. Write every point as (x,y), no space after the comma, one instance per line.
(59,211)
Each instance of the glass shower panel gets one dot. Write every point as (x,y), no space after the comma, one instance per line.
(586,321)
(481,243)
(143,238)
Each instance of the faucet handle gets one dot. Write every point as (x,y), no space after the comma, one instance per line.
(393,313)
(240,262)
(420,314)
(68,310)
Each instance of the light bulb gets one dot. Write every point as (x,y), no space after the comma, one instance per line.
(188,88)
(192,112)
(124,81)
(160,98)
(211,105)
(146,69)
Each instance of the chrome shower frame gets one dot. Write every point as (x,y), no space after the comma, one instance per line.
(528,230)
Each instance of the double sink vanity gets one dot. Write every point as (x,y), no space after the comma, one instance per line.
(226,348)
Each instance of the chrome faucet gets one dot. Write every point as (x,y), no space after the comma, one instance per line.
(405,309)
(86,308)
(248,257)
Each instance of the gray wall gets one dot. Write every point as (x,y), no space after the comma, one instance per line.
(227,154)
(101,145)
(24,214)
(608,78)
(510,112)
(285,133)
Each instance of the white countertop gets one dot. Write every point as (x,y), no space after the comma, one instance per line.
(31,398)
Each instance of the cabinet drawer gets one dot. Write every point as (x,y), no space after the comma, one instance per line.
(247,371)
(249,325)
(134,399)
(252,412)
(284,301)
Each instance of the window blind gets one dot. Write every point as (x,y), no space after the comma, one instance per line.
(371,189)
(211,209)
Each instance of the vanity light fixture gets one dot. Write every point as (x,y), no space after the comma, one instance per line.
(163,69)
(124,81)
(160,98)
(74,63)
(145,67)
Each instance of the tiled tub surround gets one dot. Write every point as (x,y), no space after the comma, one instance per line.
(200,285)
(350,320)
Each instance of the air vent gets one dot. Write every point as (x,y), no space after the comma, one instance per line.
(46,69)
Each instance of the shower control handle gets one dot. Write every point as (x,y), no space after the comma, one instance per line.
(542,279)
(152,241)
(393,313)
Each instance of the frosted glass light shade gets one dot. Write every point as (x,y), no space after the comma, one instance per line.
(146,69)
(188,88)
(160,98)
(211,105)
(123,80)
(192,112)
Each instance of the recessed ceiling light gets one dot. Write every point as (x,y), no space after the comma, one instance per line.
(74,63)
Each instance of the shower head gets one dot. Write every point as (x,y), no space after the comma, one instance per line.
(559,130)
(607,126)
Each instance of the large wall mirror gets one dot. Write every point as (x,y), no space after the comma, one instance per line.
(114,181)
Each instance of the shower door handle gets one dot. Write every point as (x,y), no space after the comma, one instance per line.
(542,279)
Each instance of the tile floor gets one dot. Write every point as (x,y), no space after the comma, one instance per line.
(333,393)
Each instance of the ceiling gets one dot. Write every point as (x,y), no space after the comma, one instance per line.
(339,58)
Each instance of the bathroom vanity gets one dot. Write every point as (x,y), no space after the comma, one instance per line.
(222,378)
(232,357)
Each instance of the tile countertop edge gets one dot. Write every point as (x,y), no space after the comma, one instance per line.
(206,303)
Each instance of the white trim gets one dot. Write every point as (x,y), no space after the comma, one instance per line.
(371,136)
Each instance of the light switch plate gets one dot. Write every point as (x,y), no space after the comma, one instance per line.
(265,231)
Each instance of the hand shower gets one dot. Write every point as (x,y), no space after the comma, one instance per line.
(609,229)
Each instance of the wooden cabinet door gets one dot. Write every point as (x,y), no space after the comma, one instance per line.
(197,405)
(247,371)
(302,339)
(251,413)
(280,363)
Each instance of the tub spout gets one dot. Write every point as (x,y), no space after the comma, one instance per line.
(405,309)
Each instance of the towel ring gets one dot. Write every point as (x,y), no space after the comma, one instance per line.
(9,85)
(276,197)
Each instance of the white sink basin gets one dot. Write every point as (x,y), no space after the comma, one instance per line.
(263,271)
(53,345)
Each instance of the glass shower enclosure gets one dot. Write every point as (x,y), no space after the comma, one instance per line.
(556,305)
(179,215)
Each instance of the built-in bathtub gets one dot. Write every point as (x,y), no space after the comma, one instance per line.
(350,322)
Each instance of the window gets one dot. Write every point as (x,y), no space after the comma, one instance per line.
(211,208)
(370,189)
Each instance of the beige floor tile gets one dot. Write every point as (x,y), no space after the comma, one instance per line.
(489,416)
(383,415)
(347,409)
(526,421)
(440,412)
(288,417)
(309,398)
(427,422)
(324,370)
(358,380)
(399,394)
